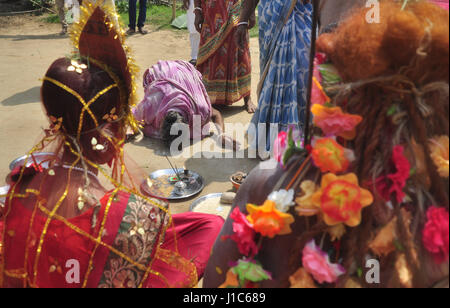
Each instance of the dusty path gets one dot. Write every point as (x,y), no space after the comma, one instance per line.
(28,46)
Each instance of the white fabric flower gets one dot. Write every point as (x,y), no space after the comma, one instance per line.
(283,199)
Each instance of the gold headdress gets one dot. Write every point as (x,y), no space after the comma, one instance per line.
(100,39)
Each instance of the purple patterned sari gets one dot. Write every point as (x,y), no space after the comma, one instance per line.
(173,86)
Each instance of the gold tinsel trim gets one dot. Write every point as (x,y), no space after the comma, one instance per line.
(86,11)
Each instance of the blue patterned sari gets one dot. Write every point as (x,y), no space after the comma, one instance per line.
(284,56)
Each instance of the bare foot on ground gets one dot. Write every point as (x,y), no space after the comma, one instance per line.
(249,106)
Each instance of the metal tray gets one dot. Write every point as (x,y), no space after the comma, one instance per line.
(39,158)
(193,188)
(222,210)
(3,191)
(202,199)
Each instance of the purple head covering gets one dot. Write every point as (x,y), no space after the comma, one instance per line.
(172,86)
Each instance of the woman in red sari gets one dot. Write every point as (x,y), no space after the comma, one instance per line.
(72,221)
(226,68)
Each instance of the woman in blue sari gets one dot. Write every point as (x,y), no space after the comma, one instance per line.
(284,39)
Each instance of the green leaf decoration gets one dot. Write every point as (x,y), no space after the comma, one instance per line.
(248,270)
(330,74)
(359,272)
(392,110)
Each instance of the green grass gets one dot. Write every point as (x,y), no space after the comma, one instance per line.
(254,32)
(158,16)
(52,18)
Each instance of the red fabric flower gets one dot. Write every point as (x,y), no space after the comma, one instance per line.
(395,182)
(244,234)
(436,234)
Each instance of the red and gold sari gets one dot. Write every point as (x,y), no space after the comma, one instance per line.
(128,244)
(226,69)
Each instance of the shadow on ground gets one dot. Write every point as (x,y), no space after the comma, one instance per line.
(19,37)
(26,97)
(223,168)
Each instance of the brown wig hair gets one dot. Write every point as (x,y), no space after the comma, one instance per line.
(400,64)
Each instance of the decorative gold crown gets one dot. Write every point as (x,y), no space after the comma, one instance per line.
(100,38)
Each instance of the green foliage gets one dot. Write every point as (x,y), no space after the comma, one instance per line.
(254,32)
(41,3)
(122,6)
(52,19)
(159,16)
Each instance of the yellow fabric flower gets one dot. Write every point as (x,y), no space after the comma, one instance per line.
(337,232)
(341,199)
(439,147)
(305,206)
(302,280)
(268,220)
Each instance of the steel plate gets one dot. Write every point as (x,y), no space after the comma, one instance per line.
(39,157)
(193,187)
(202,199)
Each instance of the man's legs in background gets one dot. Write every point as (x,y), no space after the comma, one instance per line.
(62,15)
(142,16)
(194,36)
(132,16)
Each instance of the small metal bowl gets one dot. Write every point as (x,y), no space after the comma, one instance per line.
(38,157)
(237,185)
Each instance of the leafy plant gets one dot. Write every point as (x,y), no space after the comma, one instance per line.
(41,3)
(122,6)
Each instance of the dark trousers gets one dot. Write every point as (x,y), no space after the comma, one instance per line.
(142,13)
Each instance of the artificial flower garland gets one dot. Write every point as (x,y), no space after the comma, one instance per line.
(338,201)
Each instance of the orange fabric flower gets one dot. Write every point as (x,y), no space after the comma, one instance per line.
(333,121)
(231,280)
(329,156)
(341,199)
(439,147)
(268,220)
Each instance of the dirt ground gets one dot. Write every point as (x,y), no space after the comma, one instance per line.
(27,48)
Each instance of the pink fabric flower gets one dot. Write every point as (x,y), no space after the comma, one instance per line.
(280,146)
(334,122)
(244,234)
(317,263)
(436,234)
(318,95)
(442,3)
(395,182)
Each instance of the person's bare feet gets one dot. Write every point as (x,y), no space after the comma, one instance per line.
(249,106)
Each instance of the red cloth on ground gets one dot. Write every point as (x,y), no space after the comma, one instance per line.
(196,234)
